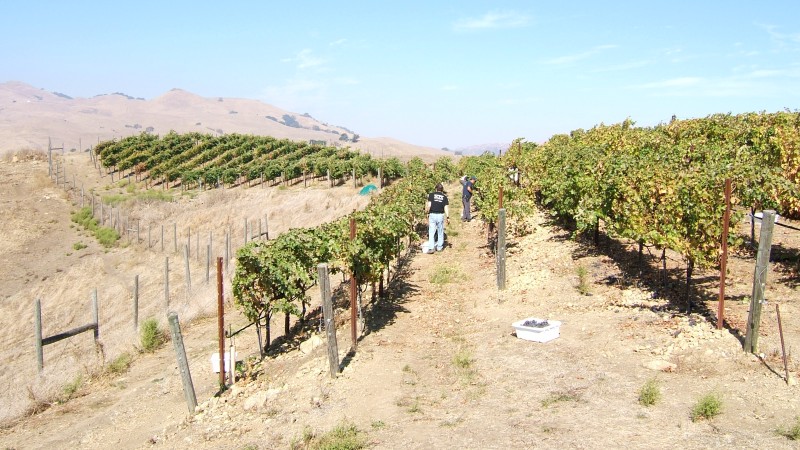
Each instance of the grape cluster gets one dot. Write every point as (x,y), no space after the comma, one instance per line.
(535,323)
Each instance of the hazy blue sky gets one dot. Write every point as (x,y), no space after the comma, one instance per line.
(435,73)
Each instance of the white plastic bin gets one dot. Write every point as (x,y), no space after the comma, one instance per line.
(537,333)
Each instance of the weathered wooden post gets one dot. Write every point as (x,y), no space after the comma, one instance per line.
(723,262)
(227,249)
(95,316)
(501,249)
(353,293)
(37,316)
(186,265)
(221,327)
(49,158)
(166,282)
(328,316)
(183,363)
(759,281)
(136,302)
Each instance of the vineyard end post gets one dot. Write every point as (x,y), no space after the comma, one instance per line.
(759,281)
(353,293)
(328,315)
(221,328)
(723,264)
(183,363)
(501,249)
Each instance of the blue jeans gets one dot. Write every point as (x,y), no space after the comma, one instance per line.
(436,226)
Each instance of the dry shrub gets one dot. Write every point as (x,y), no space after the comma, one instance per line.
(27,154)
(41,181)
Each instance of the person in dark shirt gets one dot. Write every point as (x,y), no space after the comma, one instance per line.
(466,196)
(438,212)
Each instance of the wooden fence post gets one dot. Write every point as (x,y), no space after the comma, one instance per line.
(166,282)
(723,262)
(136,302)
(227,249)
(95,316)
(221,328)
(353,293)
(183,363)
(759,281)
(330,323)
(501,249)
(188,272)
(37,316)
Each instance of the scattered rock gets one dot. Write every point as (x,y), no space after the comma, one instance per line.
(310,344)
(661,365)
(255,401)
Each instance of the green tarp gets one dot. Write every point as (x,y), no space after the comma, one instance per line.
(366,190)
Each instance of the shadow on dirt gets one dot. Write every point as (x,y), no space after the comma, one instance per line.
(662,273)
(382,312)
(379,312)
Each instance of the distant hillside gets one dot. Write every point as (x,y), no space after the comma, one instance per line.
(493,148)
(29,116)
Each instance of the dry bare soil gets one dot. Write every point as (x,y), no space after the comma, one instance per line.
(438,364)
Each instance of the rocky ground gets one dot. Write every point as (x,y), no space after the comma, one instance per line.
(439,365)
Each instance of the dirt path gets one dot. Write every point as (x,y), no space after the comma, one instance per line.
(440,367)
